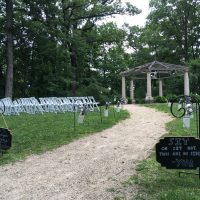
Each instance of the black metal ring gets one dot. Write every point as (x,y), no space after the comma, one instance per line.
(171,109)
(193,99)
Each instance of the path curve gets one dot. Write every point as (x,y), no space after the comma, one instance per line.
(91,168)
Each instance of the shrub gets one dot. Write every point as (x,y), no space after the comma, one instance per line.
(130,101)
(195,97)
(139,101)
(160,99)
(172,98)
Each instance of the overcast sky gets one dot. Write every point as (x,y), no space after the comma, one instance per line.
(137,19)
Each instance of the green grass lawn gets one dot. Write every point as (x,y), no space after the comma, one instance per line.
(34,134)
(158,183)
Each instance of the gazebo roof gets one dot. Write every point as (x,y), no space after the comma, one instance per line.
(158,69)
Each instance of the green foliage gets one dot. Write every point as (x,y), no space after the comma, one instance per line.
(195,97)
(35,134)
(195,75)
(171,35)
(60,44)
(139,101)
(129,101)
(171,98)
(96,90)
(175,20)
(60,48)
(160,99)
(175,85)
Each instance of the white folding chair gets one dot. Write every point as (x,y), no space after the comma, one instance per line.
(9,107)
(93,102)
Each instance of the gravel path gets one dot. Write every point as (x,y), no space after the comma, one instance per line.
(91,168)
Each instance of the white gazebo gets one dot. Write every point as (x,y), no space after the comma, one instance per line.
(154,70)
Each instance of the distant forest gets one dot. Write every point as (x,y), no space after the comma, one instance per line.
(59,48)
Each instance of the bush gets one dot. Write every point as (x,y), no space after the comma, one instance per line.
(130,101)
(195,98)
(160,99)
(172,98)
(139,101)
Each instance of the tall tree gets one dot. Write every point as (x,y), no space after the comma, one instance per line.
(79,18)
(178,21)
(9,48)
(56,44)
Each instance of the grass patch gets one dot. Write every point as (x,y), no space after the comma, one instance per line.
(175,127)
(35,134)
(158,183)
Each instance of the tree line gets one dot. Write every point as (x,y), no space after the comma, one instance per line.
(59,48)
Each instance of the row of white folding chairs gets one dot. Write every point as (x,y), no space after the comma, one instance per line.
(27,105)
(53,104)
(88,102)
(7,107)
(68,104)
(49,104)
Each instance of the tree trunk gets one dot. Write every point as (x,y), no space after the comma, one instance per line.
(186,46)
(74,65)
(9,49)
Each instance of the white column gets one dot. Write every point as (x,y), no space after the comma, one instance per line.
(123,87)
(132,88)
(186,83)
(133,101)
(160,88)
(149,94)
